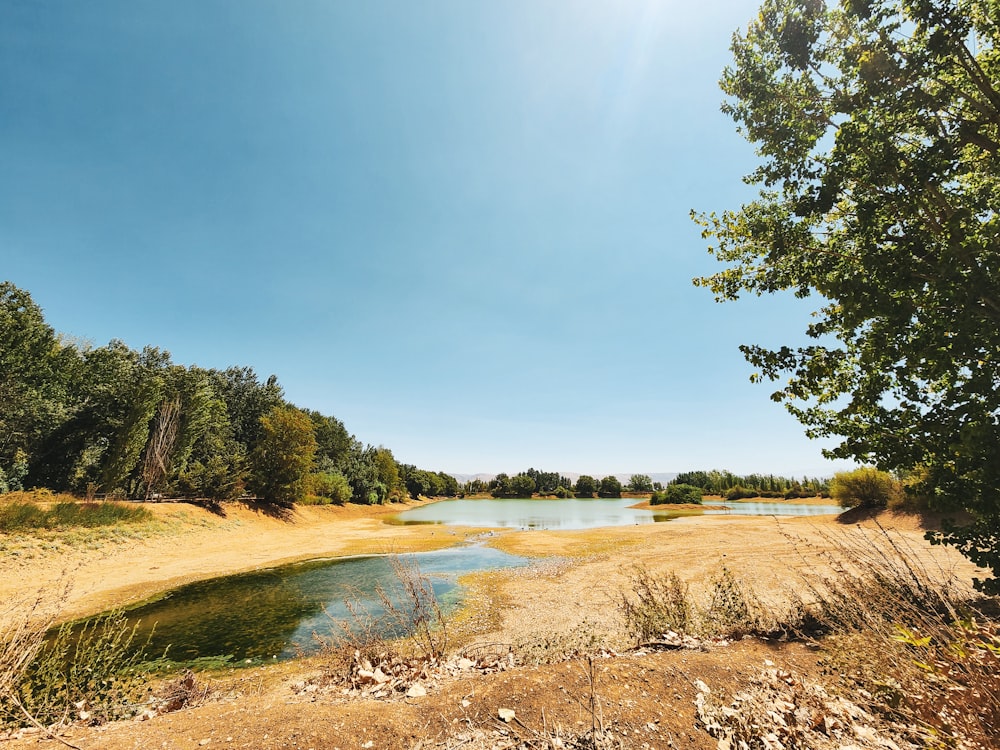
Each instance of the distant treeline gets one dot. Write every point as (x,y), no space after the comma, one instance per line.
(735,487)
(725,483)
(113,421)
(533,481)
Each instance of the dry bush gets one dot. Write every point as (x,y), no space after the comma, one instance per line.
(911,640)
(394,647)
(656,605)
(23,624)
(730,608)
(910,652)
(182,692)
(778,709)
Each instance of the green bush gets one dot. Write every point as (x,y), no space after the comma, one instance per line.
(866,487)
(326,488)
(677,494)
(91,673)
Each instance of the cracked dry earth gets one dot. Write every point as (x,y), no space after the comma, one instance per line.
(621,698)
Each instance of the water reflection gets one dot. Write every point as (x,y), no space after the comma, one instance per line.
(545,513)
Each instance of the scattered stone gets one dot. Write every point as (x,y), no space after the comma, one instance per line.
(416,691)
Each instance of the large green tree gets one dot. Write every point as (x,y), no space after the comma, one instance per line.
(878,127)
(283,456)
(35,367)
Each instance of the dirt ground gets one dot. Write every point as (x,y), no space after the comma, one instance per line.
(567,599)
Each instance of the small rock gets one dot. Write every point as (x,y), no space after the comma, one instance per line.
(416,691)
(506,714)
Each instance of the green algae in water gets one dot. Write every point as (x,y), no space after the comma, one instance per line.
(278,612)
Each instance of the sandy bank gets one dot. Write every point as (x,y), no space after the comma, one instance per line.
(188,543)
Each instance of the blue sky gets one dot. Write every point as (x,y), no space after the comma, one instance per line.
(460,227)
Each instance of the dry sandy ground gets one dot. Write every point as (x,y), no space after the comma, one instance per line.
(569,597)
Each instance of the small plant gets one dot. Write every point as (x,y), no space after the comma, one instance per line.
(91,674)
(410,632)
(656,606)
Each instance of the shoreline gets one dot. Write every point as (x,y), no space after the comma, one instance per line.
(188,543)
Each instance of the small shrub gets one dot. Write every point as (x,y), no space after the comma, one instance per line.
(328,487)
(411,630)
(733,608)
(740,493)
(656,606)
(90,674)
(866,487)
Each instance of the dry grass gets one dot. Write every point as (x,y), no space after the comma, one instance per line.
(393,644)
(912,653)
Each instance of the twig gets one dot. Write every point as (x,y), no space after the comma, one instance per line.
(51,735)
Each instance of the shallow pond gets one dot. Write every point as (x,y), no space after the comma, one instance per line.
(544,513)
(277,613)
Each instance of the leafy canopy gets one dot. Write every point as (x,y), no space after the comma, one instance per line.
(877,123)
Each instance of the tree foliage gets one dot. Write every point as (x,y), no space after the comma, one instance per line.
(640,483)
(586,486)
(865,487)
(110,419)
(878,127)
(283,456)
(609,486)
(677,494)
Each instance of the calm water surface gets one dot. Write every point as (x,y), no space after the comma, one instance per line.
(578,514)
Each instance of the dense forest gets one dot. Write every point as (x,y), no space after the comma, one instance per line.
(112,421)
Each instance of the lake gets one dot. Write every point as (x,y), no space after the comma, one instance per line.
(576,513)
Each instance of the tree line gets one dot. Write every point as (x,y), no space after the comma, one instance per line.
(736,487)
(553,484)
(113,421)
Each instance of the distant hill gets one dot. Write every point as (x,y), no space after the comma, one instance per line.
(657,476)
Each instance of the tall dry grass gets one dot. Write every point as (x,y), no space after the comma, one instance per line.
(906,641)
